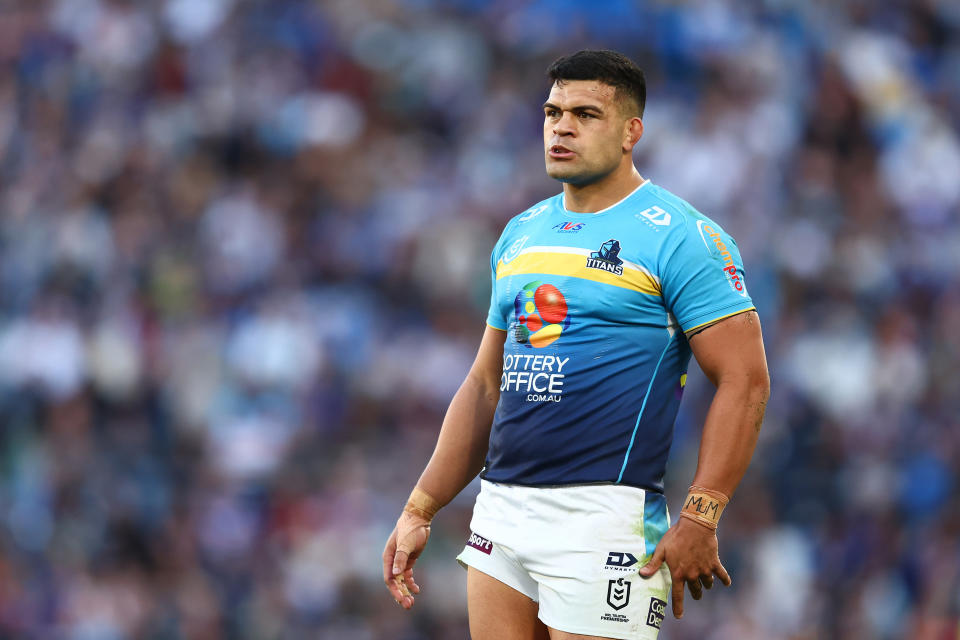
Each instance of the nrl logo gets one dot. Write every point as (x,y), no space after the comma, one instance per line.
(618,593)
(514,249)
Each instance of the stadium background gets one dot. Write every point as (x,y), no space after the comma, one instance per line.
(243,268)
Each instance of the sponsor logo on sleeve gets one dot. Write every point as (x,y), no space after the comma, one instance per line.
(656,613)
(480,543)
(714,242)
(606,258)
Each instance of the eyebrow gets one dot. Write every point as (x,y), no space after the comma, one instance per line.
(579,107)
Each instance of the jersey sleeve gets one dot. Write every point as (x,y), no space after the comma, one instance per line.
(495,317)
(702,277)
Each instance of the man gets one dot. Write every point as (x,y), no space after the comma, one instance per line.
(600,295)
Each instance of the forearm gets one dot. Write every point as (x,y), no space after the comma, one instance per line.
(462,444)
(730,432)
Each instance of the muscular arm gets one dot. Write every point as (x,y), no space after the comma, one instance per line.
(732,357)
(731,354)
(462,444)
(456,460)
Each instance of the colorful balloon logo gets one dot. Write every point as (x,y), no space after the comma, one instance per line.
(541,312)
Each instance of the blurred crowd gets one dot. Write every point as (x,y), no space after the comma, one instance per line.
(244,266)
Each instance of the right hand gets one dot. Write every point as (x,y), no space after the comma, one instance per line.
(404,546)
(691,553)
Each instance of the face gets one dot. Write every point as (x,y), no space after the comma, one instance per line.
(585,132)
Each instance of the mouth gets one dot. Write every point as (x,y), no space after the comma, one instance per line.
(560,152)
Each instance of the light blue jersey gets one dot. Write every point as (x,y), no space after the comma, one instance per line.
(596,306)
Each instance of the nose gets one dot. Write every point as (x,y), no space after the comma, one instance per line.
(565,125)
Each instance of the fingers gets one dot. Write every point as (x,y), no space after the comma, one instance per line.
(406,598)
(695,589)
(678,599)
(402,588)
(388,556)
(400,559)
(398,573)
(398,590)
(696,584)
(722,574)
(410,582)
(651,567)
(410,543)
(404,546)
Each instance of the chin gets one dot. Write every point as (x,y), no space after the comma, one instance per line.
(562,172)
(568,175)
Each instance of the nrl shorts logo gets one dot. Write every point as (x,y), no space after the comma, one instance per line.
(618,593)
(606,258)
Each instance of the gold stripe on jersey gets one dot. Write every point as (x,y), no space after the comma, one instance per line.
(704,325)
(575,265)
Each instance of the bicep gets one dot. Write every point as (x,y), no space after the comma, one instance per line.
(732,350)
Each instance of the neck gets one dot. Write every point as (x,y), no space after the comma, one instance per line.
(597,196)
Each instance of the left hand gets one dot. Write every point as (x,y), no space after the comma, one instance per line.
(691,553)
(403,547)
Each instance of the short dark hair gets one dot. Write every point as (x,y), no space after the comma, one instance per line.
(608,67)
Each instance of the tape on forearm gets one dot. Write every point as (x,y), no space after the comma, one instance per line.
(420,503)
(704,506)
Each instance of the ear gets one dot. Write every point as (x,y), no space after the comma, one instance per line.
(632,132)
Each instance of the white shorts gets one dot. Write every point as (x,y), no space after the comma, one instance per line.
(575,551)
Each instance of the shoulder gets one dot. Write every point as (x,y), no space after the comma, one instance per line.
(516,232)
(529,217)
(534,212)
(686,223)
(678,213)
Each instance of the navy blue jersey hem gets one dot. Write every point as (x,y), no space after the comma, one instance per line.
(598,483)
